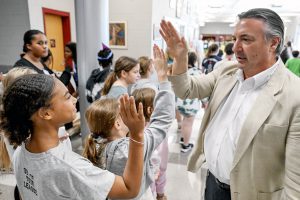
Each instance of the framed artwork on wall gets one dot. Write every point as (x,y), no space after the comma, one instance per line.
(118,34)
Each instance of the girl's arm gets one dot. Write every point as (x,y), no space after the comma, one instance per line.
(128,186)
(164,106)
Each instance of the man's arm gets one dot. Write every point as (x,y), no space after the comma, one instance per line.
(292,160)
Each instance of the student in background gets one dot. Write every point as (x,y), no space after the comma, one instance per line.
(293,64)
(126,72)
(229,56)
(95,82)
(146,70)
(211,58)
(34,48)
(71,63)
(48,60)
(188,108)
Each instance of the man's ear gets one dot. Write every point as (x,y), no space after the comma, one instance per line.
(275,41)
(45,113)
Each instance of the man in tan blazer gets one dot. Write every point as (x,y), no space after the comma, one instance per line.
(250,133)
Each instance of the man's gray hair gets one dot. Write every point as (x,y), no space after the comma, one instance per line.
(275,26)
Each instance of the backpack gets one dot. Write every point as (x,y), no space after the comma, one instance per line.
(95,83)
(209,63)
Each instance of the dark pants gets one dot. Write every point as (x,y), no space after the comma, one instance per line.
(215,190)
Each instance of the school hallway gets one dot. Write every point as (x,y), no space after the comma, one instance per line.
(181,184)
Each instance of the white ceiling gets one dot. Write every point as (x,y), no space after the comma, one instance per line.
(227,10)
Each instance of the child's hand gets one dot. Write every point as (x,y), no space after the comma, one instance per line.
(132,118)
(160,63)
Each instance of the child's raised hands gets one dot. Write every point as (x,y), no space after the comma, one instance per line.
(160,63)
(133,119)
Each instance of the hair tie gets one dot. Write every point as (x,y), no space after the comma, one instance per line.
(98,139)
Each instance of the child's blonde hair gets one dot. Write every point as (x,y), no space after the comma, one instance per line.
(146,97)
(100,116)
(145,63)
(5,162)
(11,76)
(15,73)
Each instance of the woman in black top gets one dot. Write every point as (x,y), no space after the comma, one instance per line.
(35,47)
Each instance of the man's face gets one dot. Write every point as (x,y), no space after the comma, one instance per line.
(251,49)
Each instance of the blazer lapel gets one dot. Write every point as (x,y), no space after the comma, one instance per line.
(260,111)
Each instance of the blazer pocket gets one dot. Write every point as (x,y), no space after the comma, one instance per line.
(274,135)
(276,195)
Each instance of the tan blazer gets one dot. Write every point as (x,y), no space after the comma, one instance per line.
(266,163)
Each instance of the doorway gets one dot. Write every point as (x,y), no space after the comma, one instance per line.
(57,29)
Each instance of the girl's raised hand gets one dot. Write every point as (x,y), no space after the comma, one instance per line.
(160,63)
(133,119)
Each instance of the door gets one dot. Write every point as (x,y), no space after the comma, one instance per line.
(54,33)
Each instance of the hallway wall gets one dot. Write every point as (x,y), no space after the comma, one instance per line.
(14,21)
(138,15)
(162,10)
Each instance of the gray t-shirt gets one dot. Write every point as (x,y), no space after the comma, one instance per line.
(59,174)
(116,91)
(144,83)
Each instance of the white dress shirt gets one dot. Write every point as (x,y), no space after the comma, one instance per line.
(223,131)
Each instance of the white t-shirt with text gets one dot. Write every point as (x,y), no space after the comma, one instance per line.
(59,174)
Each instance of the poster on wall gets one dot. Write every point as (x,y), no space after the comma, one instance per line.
(118,34)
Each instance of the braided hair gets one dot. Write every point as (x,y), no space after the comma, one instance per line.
(25,96)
